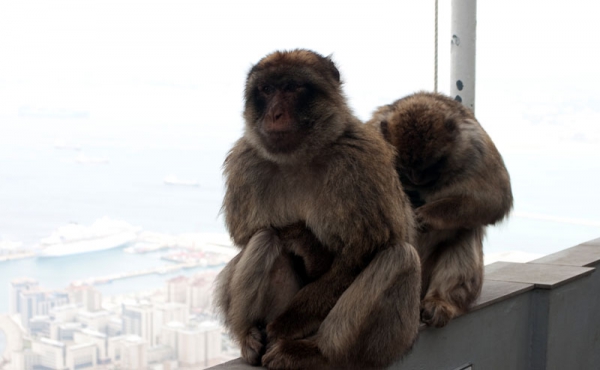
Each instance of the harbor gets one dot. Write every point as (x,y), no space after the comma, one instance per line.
(160,270)
(17,256)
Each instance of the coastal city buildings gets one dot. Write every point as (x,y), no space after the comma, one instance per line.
(172,328)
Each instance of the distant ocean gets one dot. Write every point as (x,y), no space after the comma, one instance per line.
(48,179)
(45,185)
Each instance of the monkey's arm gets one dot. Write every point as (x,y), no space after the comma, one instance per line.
(301,241)
(463,211)
(241,204)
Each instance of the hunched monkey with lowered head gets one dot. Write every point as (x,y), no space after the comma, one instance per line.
(457,184)
(306,159)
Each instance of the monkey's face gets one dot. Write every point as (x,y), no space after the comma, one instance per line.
(424,140)
(289,98)
(420,175)
(282,110)
(422,159)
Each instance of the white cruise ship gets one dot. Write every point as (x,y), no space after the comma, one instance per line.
(75,239)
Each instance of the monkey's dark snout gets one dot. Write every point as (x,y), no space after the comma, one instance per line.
(277,124)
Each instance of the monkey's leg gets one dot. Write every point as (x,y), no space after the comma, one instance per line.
(456,278)
(222,287)
(253,289)
(312,303)
(374,322)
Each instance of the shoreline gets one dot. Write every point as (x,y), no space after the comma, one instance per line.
(160,270)
(19,256)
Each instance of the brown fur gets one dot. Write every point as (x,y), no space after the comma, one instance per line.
(306,160)
(457,183)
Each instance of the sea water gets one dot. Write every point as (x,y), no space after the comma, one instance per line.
(43,186)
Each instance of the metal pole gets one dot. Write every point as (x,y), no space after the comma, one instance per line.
(462,52)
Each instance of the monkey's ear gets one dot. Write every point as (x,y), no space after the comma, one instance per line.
(385,130)
(332,69)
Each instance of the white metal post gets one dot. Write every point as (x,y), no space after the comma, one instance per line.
(462,51)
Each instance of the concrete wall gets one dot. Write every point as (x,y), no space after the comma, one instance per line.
(544,314)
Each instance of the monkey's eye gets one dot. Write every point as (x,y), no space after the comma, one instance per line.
(267,89)
(290,87)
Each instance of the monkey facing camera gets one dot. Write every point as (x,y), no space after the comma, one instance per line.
(326,275)
(457,184)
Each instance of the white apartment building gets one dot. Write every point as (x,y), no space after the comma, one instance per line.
(92,300)
(114,348)
(97,320)
(134,353)
(198,345)
(16,287)
(177,290)
(97,338)
(169,332)
(138,319)
(171,311)
(66,313)
(200,294)
(49,353)
(87,296)
(81,356)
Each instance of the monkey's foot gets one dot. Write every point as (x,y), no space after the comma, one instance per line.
(294,354)
(437,312)
(252,346)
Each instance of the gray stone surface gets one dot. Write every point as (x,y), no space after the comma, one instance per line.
(573,327)
(237,364)
(496,337)
(592,242)
(582,255)
(495,291)
(543,276)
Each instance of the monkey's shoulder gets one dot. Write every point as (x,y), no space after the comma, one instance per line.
(480,159)
(359,147)
(245,165)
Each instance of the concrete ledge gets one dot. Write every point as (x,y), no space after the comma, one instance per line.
(544,314)
(583,255)
(592,242)
(542,276)
(237,364)
(495,291)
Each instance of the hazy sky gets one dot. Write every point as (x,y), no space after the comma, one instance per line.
(532,56)
(172,73)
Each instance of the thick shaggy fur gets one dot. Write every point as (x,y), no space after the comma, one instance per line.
(457,183)
(335,177)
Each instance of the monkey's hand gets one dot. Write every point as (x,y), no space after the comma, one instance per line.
(421,220)
(441,214)
(293,354)
(458,212)
(252,346)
